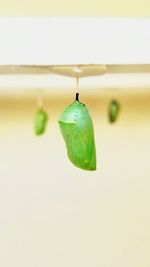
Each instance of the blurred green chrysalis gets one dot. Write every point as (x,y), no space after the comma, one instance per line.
(113,111)
(77,129)
(40,121)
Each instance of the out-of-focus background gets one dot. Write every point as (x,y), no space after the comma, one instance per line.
(74,8)
(54,214)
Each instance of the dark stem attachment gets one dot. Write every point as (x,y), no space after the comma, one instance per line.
(77,96)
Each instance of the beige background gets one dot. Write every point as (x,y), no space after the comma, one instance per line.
(54,214)
(74,8)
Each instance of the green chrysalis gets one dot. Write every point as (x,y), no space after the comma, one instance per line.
(40,121)
(77,129)
(113,111)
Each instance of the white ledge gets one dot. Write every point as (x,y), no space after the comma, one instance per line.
(63,41)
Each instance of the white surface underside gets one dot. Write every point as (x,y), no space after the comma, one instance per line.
(43,77)
(55,41)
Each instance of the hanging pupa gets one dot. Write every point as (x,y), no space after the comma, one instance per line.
(77,129)
(40,121)
(113,111)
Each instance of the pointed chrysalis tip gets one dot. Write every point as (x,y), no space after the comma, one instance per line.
(77,96)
